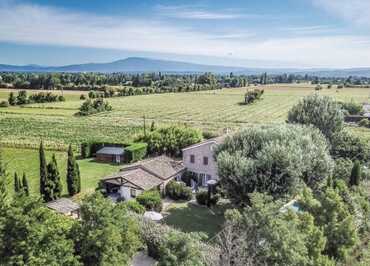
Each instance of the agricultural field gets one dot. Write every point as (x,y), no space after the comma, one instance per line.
(56,124)
(22,128)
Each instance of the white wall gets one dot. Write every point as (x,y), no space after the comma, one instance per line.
(125,192)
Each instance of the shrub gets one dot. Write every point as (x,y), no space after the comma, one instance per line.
(151,200)
(178,191)
(364,123)
(61,98)
(342,169)
(171,140)
(253,95)
(4,104)
(89,107)
(352,108)
(202,197)
(136,152)
(134,206)
(82,97)
(318,88)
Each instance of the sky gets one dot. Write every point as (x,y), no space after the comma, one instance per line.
(249,33)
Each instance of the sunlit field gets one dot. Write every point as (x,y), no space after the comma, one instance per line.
(209,110)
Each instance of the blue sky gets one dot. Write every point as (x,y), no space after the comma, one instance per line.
(275,33)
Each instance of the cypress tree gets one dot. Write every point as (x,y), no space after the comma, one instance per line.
(73,174)
(3,185)
(25,185)
(53,188)
(17,185)
(355,174)
(78,178)
(43,171)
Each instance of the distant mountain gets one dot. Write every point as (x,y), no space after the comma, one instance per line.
(140,65)
(131,64)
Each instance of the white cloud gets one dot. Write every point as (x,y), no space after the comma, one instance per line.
(44,25)
(355,11)
(185,12)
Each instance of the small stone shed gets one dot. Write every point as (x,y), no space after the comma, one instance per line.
(66,207)
(110,155)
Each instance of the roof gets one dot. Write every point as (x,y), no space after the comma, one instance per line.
(218,140)
(111,151)
(137,177)
(63,205)
(146,174)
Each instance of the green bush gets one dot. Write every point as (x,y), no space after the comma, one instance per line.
(135,152)
(202,197)
(151,200)
(352,108)
(364,123)
(61,98)
(171,139)
(4,104)
(134,206)
(178,191)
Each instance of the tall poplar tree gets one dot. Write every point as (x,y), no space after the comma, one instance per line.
(43,171)
(73,174)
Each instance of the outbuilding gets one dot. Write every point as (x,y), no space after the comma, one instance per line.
(110,155)
(65,206)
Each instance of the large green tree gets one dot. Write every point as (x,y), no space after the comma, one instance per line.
(31,234)
(267,234)
(334,212)
(107,233)
(73,174)
(322,112)
(273,159)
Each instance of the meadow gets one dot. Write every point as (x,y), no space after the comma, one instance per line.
(22,127)
(27,160)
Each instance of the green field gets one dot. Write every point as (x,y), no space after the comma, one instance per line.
(210,110)
(27,160)
(57,126)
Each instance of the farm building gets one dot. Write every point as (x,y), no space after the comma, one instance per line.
(145,175)
(65,206)
(110,155)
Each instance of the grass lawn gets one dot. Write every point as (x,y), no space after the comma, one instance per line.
(27,160)
(192,218)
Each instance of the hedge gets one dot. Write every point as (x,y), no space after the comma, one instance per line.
(135,152)
(151,200)
(178,191)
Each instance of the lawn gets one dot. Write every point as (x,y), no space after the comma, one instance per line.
(27,160)
(193,218)
(209,110)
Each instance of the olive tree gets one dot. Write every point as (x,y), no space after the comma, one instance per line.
(273,159)
(322,112)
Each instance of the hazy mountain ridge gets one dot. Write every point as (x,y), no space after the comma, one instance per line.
(140,64)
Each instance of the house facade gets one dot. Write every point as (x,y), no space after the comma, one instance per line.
(153,173)
(199,160)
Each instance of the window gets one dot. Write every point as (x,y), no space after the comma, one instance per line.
(202,179)
(133,192)
(192,158)
(205,160)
